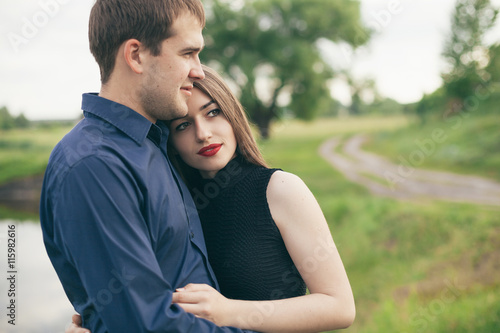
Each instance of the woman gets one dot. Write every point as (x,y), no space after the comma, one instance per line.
(266,235)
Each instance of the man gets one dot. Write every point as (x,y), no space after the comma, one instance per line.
(118,223)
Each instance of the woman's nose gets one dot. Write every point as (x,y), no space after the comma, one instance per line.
(202,131)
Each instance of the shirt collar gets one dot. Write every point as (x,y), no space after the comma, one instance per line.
(124,118)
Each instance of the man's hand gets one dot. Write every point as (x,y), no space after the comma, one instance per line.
(205,302)
(76,325)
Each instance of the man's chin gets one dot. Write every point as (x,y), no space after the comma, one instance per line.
(172,114)
(181,111)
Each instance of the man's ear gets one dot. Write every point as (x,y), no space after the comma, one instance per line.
(133,53)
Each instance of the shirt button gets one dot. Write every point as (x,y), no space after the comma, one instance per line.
(192,234)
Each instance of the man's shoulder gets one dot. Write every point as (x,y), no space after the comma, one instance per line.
(80,142)
(89,139)
(84,154)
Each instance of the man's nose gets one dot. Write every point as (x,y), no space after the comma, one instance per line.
(197,72)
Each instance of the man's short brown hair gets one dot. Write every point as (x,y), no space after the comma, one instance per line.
(112,22)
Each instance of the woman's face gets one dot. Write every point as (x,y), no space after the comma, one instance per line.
(204,138)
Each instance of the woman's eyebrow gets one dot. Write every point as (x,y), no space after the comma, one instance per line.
(207,105)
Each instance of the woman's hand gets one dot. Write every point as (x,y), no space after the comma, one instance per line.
(199,299)
(204,302)
(76,325)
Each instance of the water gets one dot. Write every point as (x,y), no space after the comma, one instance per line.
(40,303)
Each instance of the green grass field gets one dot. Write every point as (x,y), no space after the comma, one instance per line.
(464,145)
(413,267)
(26,152)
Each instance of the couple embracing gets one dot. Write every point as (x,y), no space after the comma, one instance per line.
(132,249)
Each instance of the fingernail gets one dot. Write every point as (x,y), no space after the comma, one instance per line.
(179,289)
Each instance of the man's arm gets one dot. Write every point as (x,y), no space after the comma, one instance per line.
(99,226)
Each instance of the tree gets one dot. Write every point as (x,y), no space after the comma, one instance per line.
(6,120)
(493,68)
(465,50)
(428,104)
(360,89)
(268,50)
(21,121)
(385,106)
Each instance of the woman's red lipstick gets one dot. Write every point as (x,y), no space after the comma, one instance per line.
(210,150)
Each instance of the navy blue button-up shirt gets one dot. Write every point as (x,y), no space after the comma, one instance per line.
(120,227)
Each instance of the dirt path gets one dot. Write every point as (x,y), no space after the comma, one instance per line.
(384,178)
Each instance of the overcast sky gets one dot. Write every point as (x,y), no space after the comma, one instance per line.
(46,65)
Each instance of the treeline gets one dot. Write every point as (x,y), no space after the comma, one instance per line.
(274,45)
(7,121)
(471,84)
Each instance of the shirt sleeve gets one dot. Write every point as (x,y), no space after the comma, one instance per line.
(100,228)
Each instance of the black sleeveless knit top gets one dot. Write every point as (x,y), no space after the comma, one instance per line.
(244,245)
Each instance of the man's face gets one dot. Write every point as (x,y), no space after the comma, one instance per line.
(169,77)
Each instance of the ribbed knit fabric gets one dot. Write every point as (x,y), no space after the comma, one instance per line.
(244,244)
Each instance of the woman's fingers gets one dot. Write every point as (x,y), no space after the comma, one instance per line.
(189,297)
(193,293)
(191,308)
(196,287)
(203,301)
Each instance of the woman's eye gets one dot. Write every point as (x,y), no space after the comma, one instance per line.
(213,113)
(182,126)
